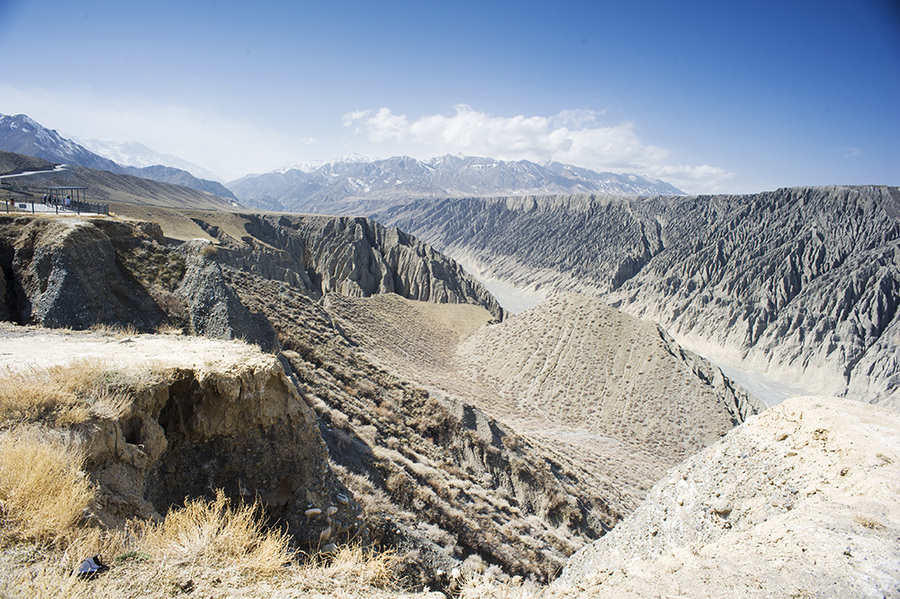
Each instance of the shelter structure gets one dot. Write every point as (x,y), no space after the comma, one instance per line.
(77,194)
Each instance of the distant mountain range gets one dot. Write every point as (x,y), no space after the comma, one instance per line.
(23,135)
(132,153)
(358,185)
(353,185)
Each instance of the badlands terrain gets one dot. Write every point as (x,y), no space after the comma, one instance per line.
(801,284)
(391,428)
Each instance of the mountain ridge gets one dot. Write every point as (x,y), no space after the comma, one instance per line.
(358,185)
(23,135)
(138,155)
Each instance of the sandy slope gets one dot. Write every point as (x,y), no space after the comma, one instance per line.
(599,391)
(801,501)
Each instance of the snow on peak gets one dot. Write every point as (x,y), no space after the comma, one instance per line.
(314,165)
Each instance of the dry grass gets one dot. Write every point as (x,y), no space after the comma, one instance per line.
(868,522)
(484,586)
(43,491)
(119,331)
(209,251)
(170,329)
(353,564)
(65,395)
(218,533)
(349,572)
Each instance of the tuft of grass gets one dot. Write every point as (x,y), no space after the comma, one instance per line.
(119,331)
(65,395)
(354,564)
(479,586)
(211,533)
(43,491)
(868,522)
(209,251)
(170,329)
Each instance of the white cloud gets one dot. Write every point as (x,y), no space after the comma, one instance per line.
(573,137)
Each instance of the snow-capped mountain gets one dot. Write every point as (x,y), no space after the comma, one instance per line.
(366,186)
(132,153)
(23,135)
(313,165)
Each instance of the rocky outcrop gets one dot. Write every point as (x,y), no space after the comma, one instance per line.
(798,283)
(66,273)
(799,501)
(193,416)
(213,308)
(350,256)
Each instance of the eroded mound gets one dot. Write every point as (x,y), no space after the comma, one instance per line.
(576,362)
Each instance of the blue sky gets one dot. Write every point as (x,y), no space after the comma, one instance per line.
(711,96)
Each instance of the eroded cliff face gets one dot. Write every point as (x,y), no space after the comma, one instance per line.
(800,283)
(65,273)
(350,256)
(82,272)
(194,416)
(434,476)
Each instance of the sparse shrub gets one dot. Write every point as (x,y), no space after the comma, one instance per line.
(118,330)
(218,533)
(209,252)
(339,419)
(440,537)
(386,415)
(305,351)
(353,563)
(43,490)
(366,389)
(868,522)
(171,304)
(170,329)
(510,441)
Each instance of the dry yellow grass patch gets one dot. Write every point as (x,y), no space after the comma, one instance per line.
(118,331)
(43,490)
(348,573)
(217,533)
(352,563)
(64,394)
